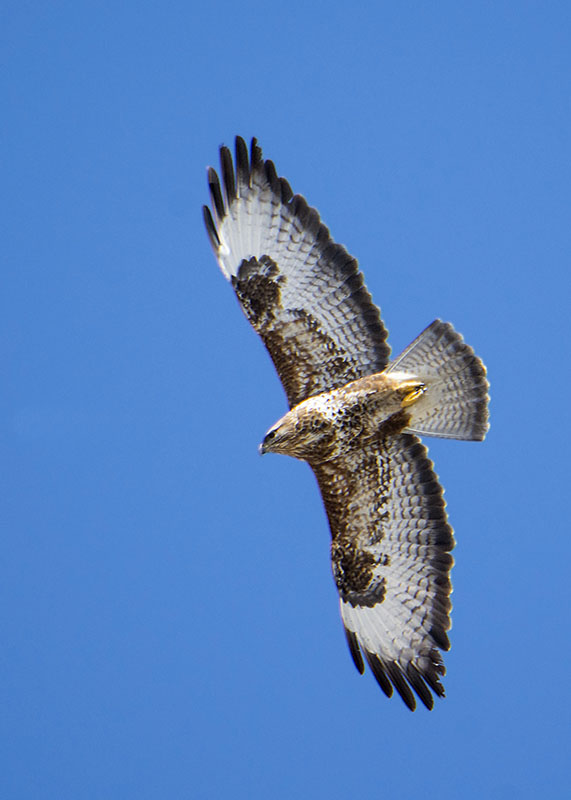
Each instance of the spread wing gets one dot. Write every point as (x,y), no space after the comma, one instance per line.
(302,292)
(391,561)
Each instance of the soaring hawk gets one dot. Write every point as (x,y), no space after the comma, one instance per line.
(355,417)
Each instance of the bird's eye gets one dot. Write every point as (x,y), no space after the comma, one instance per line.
(270,435)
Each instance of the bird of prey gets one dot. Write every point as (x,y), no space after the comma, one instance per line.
(355,416)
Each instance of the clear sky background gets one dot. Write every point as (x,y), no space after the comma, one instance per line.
(169,623)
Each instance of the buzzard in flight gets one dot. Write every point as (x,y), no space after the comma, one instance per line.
(355,417)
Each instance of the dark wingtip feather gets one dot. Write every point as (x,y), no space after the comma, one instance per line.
(272,177)
(256,158)
(215,192)
(228,174)
(355,650)
(242,163)
(287,192)
(431,669)
(440,637)
(210,227)
(378,671)
(414,677)
(434,683)
(400,684)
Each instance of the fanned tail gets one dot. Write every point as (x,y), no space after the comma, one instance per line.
(455,402)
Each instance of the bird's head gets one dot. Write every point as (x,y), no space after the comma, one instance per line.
(298,434)
(280,438)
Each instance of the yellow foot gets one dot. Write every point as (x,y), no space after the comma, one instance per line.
(412,394)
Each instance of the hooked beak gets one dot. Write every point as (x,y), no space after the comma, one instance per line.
(265,447)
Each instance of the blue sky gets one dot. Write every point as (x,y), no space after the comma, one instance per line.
(170,626)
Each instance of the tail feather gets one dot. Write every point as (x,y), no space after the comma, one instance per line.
(455,402)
